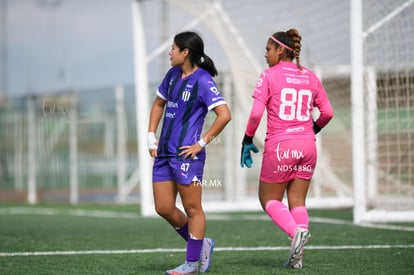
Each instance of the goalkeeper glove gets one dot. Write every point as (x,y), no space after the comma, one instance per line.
(316,128)
(246,157)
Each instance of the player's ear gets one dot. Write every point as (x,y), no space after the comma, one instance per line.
(186,52)
(279,50)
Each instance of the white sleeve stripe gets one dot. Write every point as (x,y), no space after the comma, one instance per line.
(160,95)
(212,106)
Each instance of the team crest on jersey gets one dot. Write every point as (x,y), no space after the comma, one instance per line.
(186,95)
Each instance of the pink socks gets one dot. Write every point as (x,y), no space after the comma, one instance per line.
(286,220)
(280,214)
(300,215)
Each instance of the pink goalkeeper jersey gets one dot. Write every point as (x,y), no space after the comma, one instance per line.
(289,96)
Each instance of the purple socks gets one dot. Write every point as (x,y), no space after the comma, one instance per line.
(194,246)
(183,231)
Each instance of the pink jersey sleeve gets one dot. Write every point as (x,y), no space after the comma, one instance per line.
(260,97)
(323,104)
(261,91)
(255,117)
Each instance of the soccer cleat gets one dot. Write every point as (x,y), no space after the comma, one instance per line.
(297,265)
(206,254)
(296,248)
(185,268)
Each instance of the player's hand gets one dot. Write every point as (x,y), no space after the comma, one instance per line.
(152,144)
(316,128)
(247,146)
(190,150)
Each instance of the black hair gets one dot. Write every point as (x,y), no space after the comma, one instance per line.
(195,45)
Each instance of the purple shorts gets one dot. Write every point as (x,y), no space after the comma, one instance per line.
(181,171)
(286,160)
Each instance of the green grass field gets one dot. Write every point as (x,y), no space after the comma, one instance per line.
(110,239)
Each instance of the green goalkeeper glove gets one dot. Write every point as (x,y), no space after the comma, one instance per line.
(247,146)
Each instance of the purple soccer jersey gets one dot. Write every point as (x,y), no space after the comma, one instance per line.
(188,101)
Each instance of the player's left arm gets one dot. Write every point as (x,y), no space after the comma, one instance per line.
(325,108)
(223,116)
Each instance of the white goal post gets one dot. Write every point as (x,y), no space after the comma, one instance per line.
(374,149)
(373,98)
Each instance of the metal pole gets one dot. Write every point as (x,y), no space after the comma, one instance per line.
(230,162)
(142,109)
(73,149)
(357,99)
(3,47)
(31,150)
(121,144)
(372,140)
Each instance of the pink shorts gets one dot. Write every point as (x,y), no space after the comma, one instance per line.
(288,159)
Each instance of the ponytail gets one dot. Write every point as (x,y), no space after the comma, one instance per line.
(195,45)
(294,34)
(207,64)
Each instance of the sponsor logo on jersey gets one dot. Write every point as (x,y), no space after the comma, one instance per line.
(169,115)
(288,153)
(214,90)
(296,129)
(297,81)
(171,104)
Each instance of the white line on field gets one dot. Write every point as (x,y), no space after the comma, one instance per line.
(175,250)
(131,215)
(70,212)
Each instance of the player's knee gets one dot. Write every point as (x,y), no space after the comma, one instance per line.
(193,210)
(164,210)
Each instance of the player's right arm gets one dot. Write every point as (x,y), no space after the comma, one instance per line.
(260,96)
(155,117)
